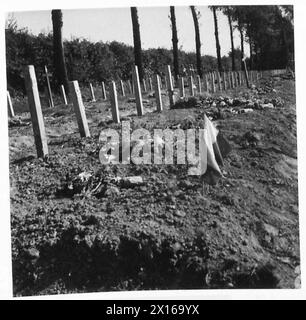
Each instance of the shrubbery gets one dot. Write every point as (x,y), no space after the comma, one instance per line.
(86,61)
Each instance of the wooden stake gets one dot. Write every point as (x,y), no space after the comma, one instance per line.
(122,88)
(150,84)
(144,85)
(79,109)
(63,94)
(219,81)
(10,105)
(170,86)
(224,80)
(158,98)
(191,90)
(199,85)
(213,85)
(114,102)
(46,93)
(103,90)
(93,98)
(137,91)
(49,87)
(181,87)
(132,86)
(206,86)
(246,74)
(35,110)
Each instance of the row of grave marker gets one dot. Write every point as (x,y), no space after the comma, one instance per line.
(213,81)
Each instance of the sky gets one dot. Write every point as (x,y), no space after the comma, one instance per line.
(106,24)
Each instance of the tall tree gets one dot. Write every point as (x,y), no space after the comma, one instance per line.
(137,41)
(174,42)
(58,50)
(241,46)
(227,10)
(218,49)
(195,16)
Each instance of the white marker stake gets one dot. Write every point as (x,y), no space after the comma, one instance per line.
(114,102)
(181,87)
(137,91)
(170,86)
(206,86)
(199,85)
(122,88)
(219,81)
(232,80)
(47,97)
(224,80)
(150,84)
(103,90)
(173,82)
(190,83)
(93,98)
(63,94)
(158,98)
(49,87)
(35,110)
(144,85)
(213,85)
(10,105)
(79,109)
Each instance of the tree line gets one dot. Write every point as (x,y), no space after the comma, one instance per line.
(268,30)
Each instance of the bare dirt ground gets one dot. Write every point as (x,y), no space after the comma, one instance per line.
(89,232)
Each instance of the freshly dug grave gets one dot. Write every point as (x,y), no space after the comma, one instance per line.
(78,227)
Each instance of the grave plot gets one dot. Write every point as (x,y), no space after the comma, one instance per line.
(79,225)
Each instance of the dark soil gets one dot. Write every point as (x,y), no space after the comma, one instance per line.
(81,233)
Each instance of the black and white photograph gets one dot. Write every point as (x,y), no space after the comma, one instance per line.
(152,148)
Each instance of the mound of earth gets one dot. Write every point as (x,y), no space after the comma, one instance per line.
(80,226)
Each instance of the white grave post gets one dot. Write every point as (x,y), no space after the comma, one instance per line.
(103,90)
(114,102)
(35,111)
(79,109)
(137,91)
(63,94)
(158,98)
(199,85)
(93,98)
(10,105)
(181,87)
(170,86)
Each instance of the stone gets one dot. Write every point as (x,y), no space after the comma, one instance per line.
(246,110)
(270,230)
(132,181)
(267,106)
(33,253)
(180,213)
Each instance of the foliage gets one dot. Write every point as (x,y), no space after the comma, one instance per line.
(269,29)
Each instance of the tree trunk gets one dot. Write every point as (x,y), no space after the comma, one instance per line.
(137,42)
(197,40)
(58,50)
(232,41)
(174,43)
(241,46)
(217,39)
